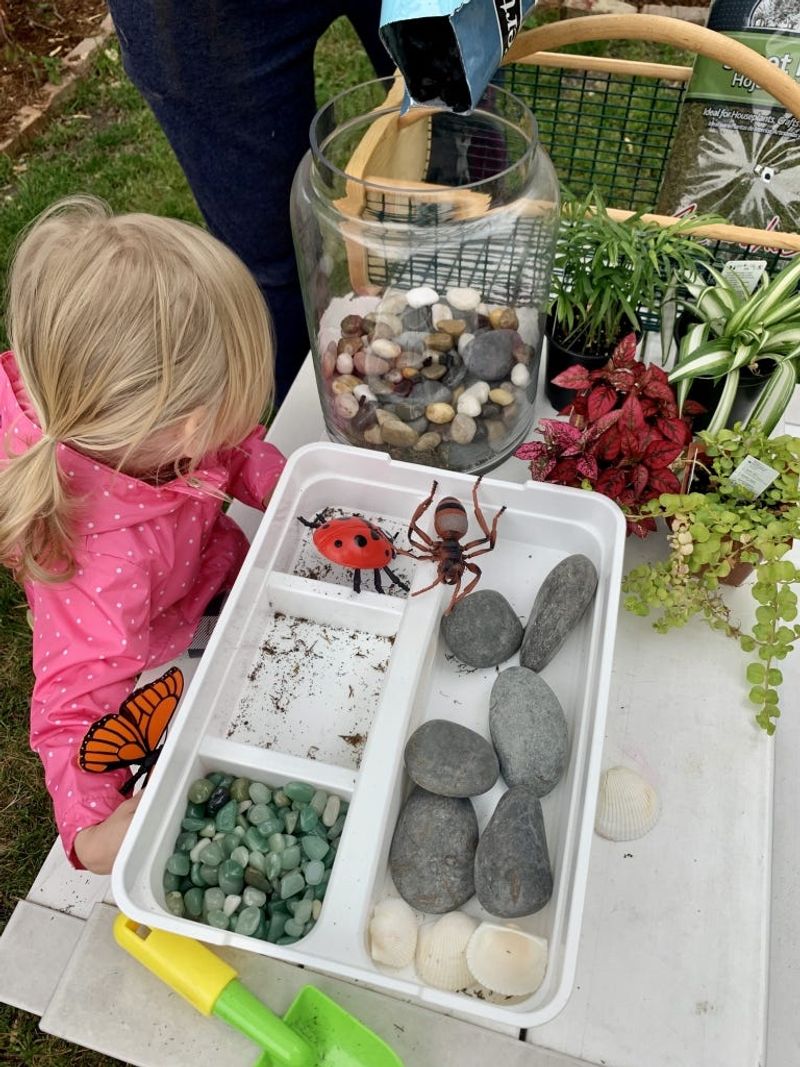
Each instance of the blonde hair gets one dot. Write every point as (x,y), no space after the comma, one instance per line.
(141,341)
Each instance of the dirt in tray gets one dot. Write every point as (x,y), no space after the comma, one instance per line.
(312,690)
(34,38)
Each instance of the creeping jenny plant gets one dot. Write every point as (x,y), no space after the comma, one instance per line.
(712,531)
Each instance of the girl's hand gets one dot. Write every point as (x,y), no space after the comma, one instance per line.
(97,846)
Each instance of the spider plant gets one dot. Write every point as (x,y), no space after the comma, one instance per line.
(737,330)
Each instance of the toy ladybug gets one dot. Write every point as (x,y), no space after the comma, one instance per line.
(355,543)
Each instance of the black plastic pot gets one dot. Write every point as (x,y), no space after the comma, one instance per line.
(559,357)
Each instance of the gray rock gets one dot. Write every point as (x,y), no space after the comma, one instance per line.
(450,760)
(482,630)
(566,593)
(529,730)
(489,355)
(413,406)
(432,857)
(512,865)
(417,320)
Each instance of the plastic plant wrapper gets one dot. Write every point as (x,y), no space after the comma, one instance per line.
(448,51)
(736,152)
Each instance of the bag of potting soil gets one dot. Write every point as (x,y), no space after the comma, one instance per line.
(736,150)
(449,50)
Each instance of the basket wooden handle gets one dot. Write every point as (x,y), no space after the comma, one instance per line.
(663,30)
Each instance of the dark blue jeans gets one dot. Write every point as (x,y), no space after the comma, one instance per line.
(231,83)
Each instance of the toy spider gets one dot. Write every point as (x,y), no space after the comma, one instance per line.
(451,557)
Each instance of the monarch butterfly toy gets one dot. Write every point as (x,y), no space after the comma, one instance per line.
(133,735)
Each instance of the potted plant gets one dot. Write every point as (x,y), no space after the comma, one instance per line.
(624,433)
(606,269)
(716,525)
(742,339)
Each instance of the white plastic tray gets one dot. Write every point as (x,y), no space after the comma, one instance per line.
(248,712)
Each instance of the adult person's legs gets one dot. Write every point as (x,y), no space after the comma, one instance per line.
(231,83)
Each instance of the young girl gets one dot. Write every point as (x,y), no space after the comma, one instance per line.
(129,407)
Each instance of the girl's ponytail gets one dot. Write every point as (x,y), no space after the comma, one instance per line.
(35,515)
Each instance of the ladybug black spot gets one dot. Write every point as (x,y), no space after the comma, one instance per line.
(387,553)
(360,540)
(337,544)
(374,534)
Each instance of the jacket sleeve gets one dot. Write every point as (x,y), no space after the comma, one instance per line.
(90,643)
(255,467)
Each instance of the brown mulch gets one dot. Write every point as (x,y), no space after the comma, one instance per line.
(34,36)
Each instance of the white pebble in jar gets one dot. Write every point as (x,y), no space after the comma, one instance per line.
(463,298)
(469,404)
(421,297)
(520,375)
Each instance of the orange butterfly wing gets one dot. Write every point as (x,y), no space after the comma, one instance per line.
(132,734)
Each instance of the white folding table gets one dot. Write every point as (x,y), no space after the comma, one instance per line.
(683,930)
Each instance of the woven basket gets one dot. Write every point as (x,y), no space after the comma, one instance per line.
(627,113)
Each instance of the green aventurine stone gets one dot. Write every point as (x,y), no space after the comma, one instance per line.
(289,839)
(280,799)
(200,791)
(302,913)
(276,843)
(257,880)
(193,900)
(229,843)
(259,793)
(258,813)
(170,881)
(174,902)
(213,900)
(277,924)
(186,841)
(318,802)
(209,829)
(314,872)
(319,829)
(210,875)
(336,830)
(231,876)
(291,884)
(290,858)
(179,863)
(273,865)
(286,940)
(331,812)
(290,822)
(315,848)
(193,824)
(241,855)
(226,816)
(293,928)
(218,918)
(271,825)
(255,840)
(308,819)
(253,898)
(216,778)
(240,789)
(195,811)
(299,791)
(241,820)
(196,875)
(213,855)
(261,929)
(258,860)
(247,921)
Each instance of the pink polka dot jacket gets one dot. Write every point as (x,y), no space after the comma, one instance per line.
(148,560)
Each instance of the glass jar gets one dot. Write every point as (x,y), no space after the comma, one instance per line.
(425,250)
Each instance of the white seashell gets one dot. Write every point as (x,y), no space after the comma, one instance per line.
(463,299)
(627,805)
(520,375)
(441,958)
(440,313)
(421,297)
(507,960)
(468,404)
(393,933)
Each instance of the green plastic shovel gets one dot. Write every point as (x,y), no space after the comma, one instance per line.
(314,1032)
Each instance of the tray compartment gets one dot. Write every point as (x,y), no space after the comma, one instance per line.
(310,676)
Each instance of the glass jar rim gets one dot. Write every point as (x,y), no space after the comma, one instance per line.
(317,147)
